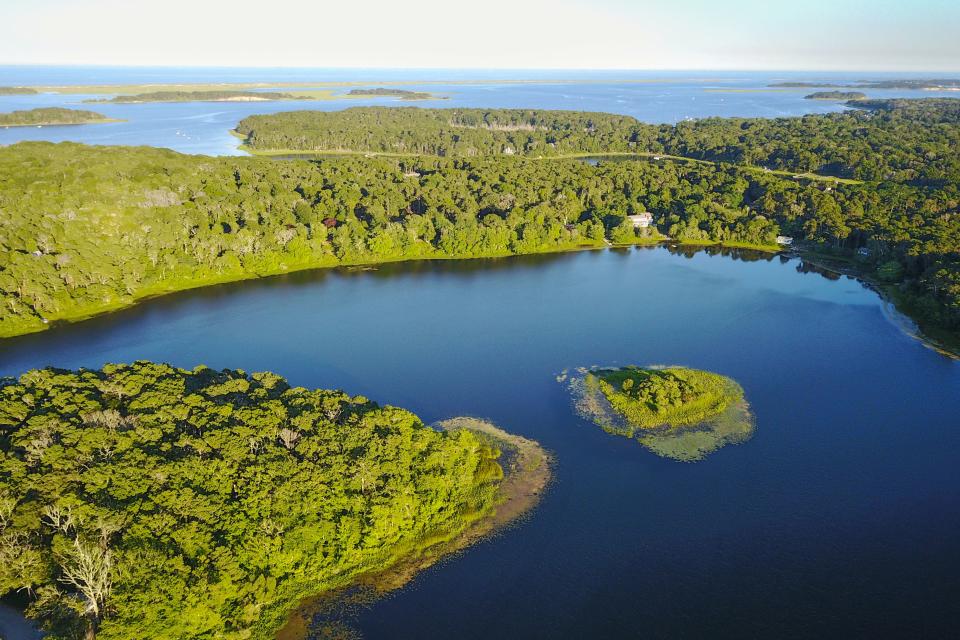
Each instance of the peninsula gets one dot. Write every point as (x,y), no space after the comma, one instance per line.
(17,91)
(50,116)
(675,412)
(403,94)
(934,84)
(836,95)
(202,96)
(234,492)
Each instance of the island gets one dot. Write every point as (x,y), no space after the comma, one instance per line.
(933,84)
(675,412)
(150,501)
(836,95)
(49,116)
(17,91)
(403,94)
(202,96)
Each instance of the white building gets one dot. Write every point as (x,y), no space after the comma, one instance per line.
(784,240)
(641,220)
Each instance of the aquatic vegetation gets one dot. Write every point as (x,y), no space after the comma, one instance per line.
(675,412)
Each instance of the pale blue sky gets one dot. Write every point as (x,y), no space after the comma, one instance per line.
(918,35)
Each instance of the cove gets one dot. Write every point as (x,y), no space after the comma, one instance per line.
(839,517)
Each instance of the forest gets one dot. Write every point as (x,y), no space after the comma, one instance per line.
(92,229)
(440,132)
(50,116)
(147,501)
(879,140)
(836,95)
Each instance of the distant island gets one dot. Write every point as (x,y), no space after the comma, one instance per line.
(675,412)
(50,116)
(17,91)
(925,85)
(202,96)
(236,492)
(403,94)
(836,95)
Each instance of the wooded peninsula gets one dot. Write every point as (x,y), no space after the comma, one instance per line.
(148,501)
(403,94)
(202,96)
(120,224)
(836,95)
(17,91)
(49,116)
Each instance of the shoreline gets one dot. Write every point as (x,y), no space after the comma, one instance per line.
(527,472)
(945,347)
(160,291)
(128,88)
(61,124)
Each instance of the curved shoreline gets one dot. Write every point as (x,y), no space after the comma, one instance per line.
(949,346)
(527,471)
(945,347)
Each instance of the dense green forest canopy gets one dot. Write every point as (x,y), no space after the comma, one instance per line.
(202,96)
(903,140)
(17,91)
(50,116)
(907,141)
(836,95)
(154,502)
(440,132)
(676,396)
(89,229)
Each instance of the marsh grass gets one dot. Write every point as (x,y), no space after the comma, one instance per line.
(712,414)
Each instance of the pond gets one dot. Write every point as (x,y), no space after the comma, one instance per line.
(840,517)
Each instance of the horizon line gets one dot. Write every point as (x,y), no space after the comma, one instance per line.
(475,68)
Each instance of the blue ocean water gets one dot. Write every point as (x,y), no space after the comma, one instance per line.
(203,127)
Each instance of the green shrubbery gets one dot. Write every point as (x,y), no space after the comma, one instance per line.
(154,502)
(674,397)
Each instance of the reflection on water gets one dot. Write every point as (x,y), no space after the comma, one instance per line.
(839,518)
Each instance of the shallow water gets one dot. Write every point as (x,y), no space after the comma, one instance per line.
(203,127)
(839,518)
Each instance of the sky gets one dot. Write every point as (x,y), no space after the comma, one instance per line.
(877,35)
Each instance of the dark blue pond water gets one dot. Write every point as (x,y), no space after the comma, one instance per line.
(200,127)
(840,518)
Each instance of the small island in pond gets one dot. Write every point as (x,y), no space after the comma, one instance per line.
(148,501)
(675,412)
(202,96)
(50,116)
(17,91)
(837,95)
(403,94)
